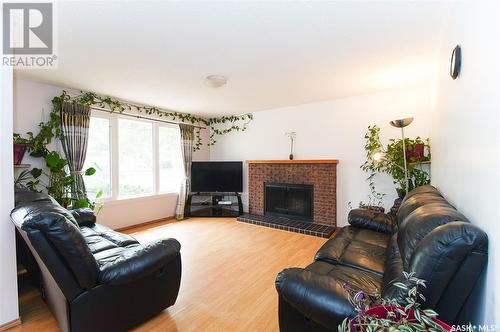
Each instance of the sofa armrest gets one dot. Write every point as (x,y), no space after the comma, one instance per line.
(138,261)
(84,216)
(320,298)
(372,220)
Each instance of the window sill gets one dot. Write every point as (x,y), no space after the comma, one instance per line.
(135,199)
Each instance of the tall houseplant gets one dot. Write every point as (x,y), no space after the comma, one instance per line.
(55,180)
(389,160)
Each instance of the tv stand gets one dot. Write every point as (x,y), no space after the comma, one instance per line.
(213,205)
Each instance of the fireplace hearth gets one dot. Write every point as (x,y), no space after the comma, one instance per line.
(289,200)
(293,195)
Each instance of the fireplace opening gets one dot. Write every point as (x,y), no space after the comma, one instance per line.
(294,201)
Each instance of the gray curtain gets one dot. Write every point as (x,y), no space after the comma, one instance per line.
(187,138)
(75,120)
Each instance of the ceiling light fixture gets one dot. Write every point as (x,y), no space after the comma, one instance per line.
(216,81)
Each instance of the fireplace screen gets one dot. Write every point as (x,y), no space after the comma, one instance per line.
(289,200)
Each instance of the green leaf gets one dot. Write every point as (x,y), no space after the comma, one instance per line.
(417,315)
(430,313)
(400,285)
(90,171)
(36,172)
(99,194)
(54,161)
(81,203)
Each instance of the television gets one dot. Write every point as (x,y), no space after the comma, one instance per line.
(217,176)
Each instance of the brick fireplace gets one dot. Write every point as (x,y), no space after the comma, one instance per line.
(321,174)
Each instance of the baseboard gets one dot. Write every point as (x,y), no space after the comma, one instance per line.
(10,324)
(126,228)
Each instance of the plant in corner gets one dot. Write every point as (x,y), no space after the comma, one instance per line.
(372,148)
(390,160)
(55,180)
(375,313)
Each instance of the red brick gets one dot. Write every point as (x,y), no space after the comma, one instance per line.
(321,176)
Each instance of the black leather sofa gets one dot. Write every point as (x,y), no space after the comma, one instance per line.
(93,278)
(428,236)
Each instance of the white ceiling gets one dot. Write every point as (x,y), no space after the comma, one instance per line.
(275,54)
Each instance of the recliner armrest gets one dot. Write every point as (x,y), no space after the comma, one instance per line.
(372,220)
(139,261)
(84,216)
(320,298)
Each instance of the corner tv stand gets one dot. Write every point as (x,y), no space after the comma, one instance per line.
(214,204)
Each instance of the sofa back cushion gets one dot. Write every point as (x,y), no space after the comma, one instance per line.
(29,203)
(416,198)
(45,215)
(450,258)
(441,246)
(69,244)
(420,223)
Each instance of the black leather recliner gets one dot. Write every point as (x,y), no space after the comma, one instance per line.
(93,278)
(428,236)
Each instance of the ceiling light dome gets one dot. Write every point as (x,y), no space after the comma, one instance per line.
(216,81)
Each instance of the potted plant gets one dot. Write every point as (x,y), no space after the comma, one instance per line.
(55,178)
(20,147)
(372,148)
(375,313)
(415,153)
(390,160)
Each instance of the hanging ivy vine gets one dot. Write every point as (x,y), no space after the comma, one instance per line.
(217,125)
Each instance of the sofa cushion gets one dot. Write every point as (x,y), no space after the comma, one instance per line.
(357,248)
(421,222)
(355,278)
(416,201)
(69,241)
(84,216)
(426,189)
(97,243)
(318,291)
(122,265)
(372,220)
(29,203)
(109,237)
(451,256)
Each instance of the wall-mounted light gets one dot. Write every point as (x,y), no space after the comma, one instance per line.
(456,62)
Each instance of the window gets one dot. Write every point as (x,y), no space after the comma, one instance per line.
(135,150)
(132,157)
(170,161)
(99,157)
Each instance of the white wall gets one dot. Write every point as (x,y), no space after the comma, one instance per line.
(33,104)
(465,128)
(8,276)
(331,130)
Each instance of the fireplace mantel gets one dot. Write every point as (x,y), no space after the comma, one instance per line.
(299,161)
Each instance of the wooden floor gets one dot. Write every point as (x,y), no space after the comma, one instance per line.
(228,276)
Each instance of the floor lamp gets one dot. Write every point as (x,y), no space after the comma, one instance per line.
(401,123)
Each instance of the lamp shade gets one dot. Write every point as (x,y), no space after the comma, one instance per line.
(401,123)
